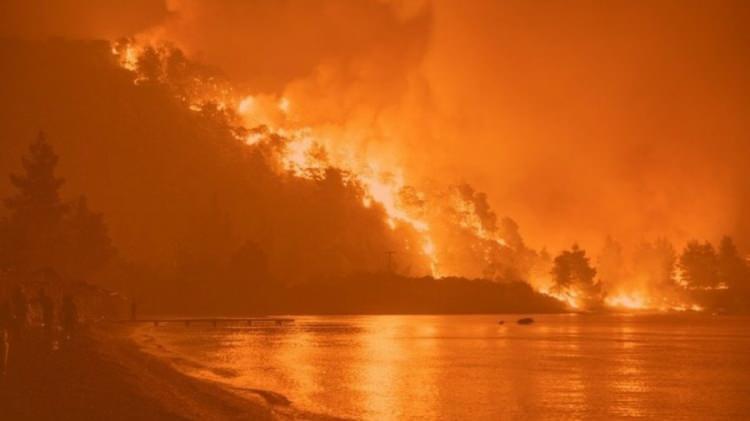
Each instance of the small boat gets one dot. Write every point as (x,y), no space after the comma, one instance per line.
(525,321)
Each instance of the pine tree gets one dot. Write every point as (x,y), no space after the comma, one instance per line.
(572,269)
(36,212)
(43,234)
(38,197)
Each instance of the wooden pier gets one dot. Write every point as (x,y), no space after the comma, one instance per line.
(215,321)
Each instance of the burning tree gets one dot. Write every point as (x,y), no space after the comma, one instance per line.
(574,276)
(655,262)
(716,280)
(699,265)
(732,270)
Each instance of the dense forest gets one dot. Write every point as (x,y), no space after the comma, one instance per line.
(654,276)
(52,241)
(197,216)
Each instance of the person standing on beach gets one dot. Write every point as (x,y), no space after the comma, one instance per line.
(69,315)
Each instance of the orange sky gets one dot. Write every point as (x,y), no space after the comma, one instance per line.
(579,119)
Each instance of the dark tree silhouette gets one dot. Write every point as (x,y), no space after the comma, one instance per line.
(36,213)
(178,70)
(149,65)
(509,231)
(699,265)
(481,206)
(733,271)
(572,270)
(38,197)
(44,234)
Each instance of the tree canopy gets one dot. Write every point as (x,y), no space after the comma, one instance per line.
(42,232)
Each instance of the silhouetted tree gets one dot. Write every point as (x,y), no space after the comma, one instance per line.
(41,233)
(177,69)
(571,269)
(36,213)
(699,265)
(149,65)
(38,197)
(510,233)
(481,207)
(732,268)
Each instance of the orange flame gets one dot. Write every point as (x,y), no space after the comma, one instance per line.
(627,301)
(305,155)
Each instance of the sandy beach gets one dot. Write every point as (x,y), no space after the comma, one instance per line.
(101,374)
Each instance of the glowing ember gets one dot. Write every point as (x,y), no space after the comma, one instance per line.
(127,53)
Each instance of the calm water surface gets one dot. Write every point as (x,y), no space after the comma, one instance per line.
(685,366)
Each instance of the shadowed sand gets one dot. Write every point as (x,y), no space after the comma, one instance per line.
(103,375)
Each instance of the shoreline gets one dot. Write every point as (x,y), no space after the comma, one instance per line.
(104,374)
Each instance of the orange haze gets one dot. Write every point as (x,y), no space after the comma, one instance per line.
(579,119)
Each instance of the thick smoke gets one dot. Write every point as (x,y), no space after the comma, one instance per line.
(579,120)
(79,19)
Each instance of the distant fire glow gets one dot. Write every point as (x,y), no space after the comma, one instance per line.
(632,301)
(436,218)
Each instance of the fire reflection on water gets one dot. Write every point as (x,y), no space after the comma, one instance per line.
(447,367)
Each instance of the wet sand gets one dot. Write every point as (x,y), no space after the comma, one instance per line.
(101,374)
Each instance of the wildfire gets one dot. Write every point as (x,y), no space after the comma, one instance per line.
(384,189)
(302,155)
(639,301)
(628,301)
(570,298)
(471,221)
(301,152)
(127,54)
(684,307)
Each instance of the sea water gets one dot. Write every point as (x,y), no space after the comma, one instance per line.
(663,366)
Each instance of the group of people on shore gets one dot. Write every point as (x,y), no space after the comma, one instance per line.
(16,311)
